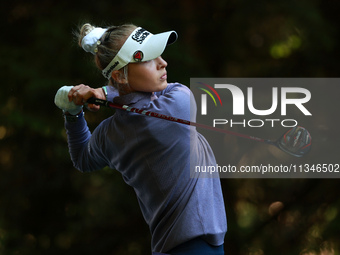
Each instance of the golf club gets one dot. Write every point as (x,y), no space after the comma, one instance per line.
(296,141)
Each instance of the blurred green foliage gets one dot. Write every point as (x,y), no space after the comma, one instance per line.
(47,207)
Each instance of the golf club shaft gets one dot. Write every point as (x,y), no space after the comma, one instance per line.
(106,103)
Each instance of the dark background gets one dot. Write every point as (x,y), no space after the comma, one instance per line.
(48,207)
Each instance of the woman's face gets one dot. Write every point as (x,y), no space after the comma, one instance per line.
(149,76)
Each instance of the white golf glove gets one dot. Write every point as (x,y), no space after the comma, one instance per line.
(61,100)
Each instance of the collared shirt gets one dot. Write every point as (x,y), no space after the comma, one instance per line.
(154,157)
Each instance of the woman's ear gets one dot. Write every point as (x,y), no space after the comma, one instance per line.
(119,77)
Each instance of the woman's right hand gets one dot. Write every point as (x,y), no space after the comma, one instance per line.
(79,94)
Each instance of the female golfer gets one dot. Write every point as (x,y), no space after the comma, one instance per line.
(185,212)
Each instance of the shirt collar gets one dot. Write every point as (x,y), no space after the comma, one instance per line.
(135,98)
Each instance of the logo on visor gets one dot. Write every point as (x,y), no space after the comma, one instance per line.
(138,56)
(140,35)
(108,72)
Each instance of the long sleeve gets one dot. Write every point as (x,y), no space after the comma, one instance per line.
(79,136)
(85,150)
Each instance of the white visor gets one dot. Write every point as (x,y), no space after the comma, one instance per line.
(140,46)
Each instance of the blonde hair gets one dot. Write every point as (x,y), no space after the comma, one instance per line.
(109,45)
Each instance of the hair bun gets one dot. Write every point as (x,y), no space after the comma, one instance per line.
(84,30)
(89,37)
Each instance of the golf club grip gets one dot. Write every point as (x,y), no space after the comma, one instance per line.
(98,101)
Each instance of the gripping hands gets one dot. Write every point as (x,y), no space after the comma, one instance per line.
(72,98)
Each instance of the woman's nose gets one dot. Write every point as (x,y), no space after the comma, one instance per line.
(161,62)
